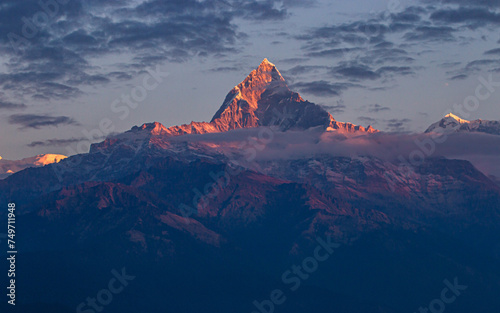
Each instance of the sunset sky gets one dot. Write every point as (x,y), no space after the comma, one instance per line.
(397,65)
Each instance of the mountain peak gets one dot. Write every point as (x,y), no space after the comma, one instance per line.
(265,63)
(456,118)
(8,167)
(452,124)
(261,99)
(244,99)
(266,72)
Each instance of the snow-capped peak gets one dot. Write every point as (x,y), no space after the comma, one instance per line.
(452,124)
(456,118)
(8,167)
(262,99)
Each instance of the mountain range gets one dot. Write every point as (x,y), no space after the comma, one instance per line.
(218,216)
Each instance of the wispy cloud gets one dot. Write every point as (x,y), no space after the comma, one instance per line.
(56,142)
(38,121)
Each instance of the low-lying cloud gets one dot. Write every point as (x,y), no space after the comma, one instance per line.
(483,150)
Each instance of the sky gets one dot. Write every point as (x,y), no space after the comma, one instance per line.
(66,66)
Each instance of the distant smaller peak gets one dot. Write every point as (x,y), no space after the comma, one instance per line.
(45,159)
(153,125)
(453,116)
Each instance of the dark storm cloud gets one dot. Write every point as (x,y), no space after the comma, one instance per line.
(38,121)
(323,88)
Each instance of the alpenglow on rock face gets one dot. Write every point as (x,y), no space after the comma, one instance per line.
(262,99)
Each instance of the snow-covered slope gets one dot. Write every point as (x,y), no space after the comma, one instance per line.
(8,167)
(452,124)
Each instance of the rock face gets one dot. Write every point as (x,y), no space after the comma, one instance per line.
(262,99)
(454,124)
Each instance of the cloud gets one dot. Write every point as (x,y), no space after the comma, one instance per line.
(356,72)
(398,125)
(376,108)
(449,64)
(482,150)
(470,3)
(57,61)
(391,70)
(431,33)
(56,142)
(382,54)
(224,69)
(11,105)
(261,10)
(333,53)
(38,121)
(459,77)
(368,120)
(474,17)
(336,108)
(493,52)
(323,88)
(305,69)
(474,67)
(407,16)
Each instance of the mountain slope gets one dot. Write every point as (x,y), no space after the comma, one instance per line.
(453,124)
